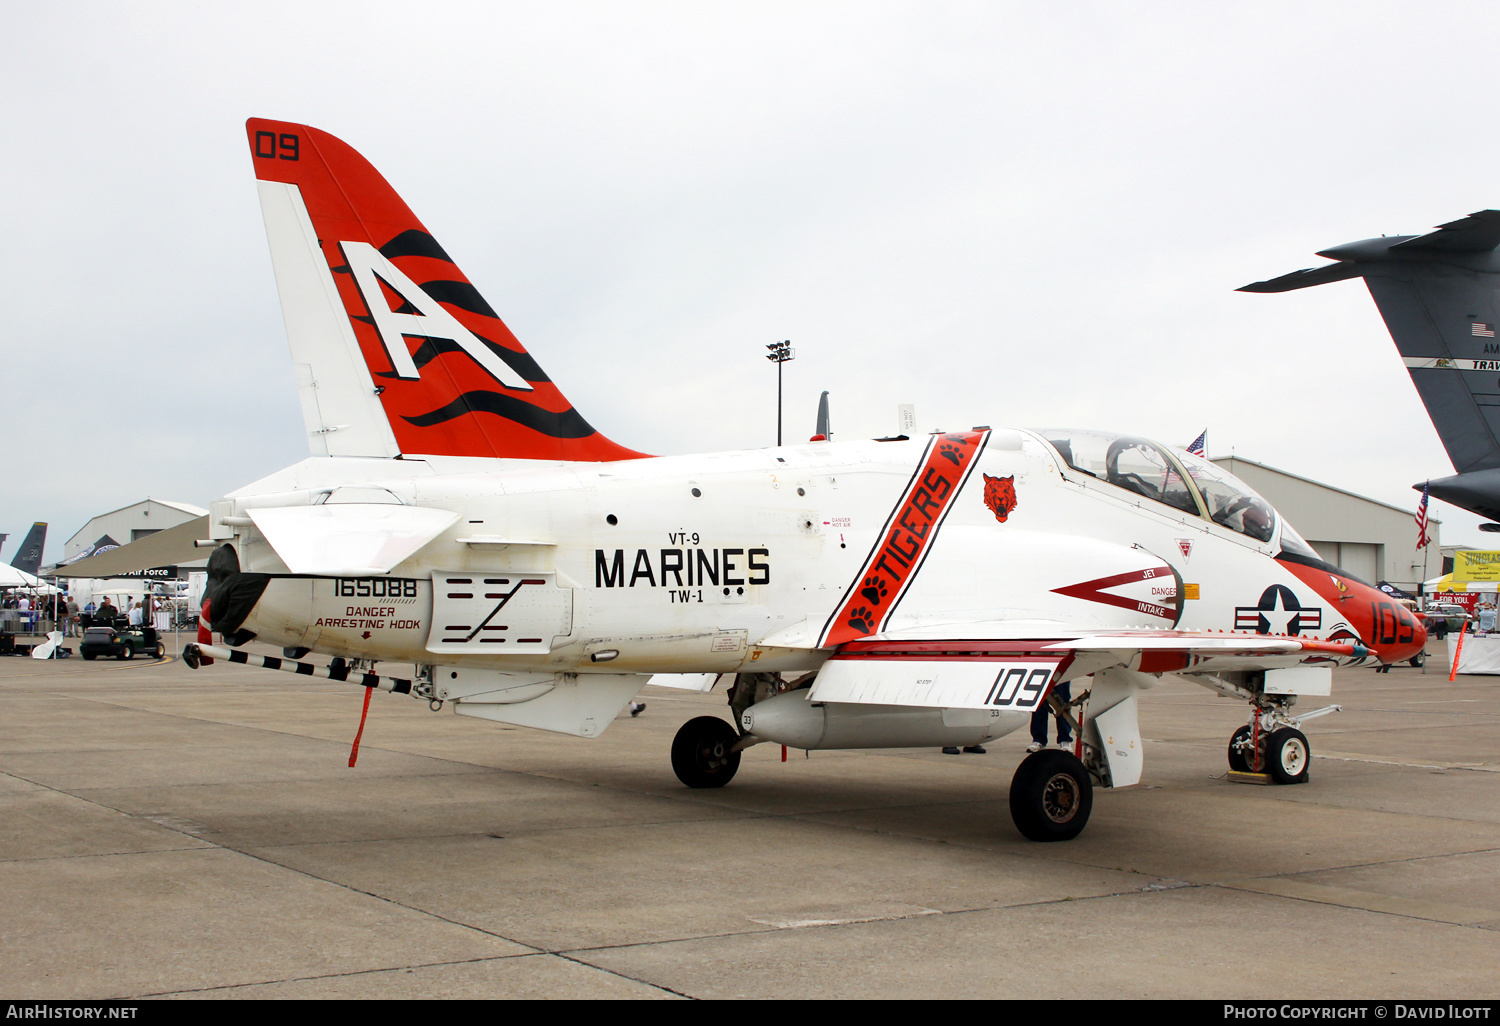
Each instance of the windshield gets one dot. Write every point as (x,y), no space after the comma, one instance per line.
(1146,468)
(1232,503)
(1291,541)
(1135,464)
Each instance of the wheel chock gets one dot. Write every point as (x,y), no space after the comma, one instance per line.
(1238,777)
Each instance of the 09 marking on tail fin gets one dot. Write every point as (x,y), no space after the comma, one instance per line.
(431,321)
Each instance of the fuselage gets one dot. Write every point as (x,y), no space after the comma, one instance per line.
(734,561)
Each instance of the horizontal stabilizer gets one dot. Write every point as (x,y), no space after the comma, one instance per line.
(1439,294)
(164,548)
(349,539)
(1477,233)
(1306,278)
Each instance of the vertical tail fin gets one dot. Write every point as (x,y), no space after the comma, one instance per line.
(29,555)
(1440,296)
(396,352)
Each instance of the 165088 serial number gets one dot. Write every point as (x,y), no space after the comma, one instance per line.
(375,587)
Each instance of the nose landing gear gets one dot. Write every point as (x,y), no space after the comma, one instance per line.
(1287,756)
(1271,744)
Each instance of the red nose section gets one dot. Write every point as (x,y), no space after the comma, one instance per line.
(1385,626)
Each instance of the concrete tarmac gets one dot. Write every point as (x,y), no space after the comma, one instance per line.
(168,832)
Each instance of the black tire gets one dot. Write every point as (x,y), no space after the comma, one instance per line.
(701,755)
(91,655)
(1051,796)
(125,653)
(1240,758)
(1288,755)
(161,650)
(1418,660)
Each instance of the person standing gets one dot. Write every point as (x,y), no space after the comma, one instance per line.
(1064,693)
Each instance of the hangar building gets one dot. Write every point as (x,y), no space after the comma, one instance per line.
(130,523)
(1372,540)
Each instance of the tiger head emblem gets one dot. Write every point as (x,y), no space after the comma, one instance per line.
(1000,495)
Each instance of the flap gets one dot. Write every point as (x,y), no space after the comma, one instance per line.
(1185,641)
(349,539)
(1147,651)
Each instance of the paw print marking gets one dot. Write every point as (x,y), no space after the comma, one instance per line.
(861,619)
(874,590)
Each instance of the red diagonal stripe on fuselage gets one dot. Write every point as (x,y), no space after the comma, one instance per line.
(907,537)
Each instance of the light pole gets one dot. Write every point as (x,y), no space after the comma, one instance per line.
(780,353)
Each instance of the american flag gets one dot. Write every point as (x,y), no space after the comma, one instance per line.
(1481,329)
(1200,445)
(1421,519)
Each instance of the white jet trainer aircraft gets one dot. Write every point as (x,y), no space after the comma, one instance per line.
(457,513)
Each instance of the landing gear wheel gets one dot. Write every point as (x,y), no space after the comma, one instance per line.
(701,755)
(1418,660)
(1051,796)
(1240,754)
(1287,756)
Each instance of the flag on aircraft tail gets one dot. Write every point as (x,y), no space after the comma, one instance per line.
(1200,445)
(1421,519)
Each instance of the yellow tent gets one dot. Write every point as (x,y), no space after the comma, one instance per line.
(1446,583)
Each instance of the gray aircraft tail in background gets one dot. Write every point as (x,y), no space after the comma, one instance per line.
(29,555)
(1440,296)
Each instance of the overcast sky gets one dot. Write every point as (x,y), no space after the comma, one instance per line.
(1010,214)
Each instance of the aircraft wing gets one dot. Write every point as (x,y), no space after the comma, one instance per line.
(967,673)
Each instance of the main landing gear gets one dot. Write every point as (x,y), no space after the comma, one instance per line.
(1052,792)
(704,754)
(1051,796)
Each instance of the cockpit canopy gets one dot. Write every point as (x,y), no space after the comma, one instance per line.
(1187,483)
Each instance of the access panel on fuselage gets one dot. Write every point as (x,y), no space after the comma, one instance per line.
(498,612)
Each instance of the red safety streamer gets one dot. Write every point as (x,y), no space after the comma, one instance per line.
(783,753)
(354,752)
(1457,651)
(205,636)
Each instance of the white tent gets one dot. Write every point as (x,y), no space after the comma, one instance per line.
(10,577)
